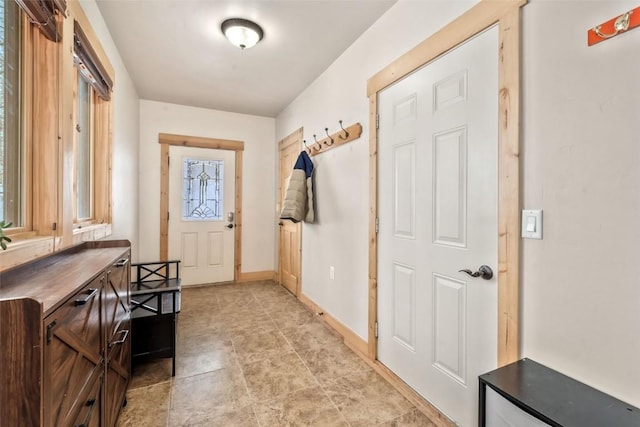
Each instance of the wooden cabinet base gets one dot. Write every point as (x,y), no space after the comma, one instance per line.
(66,350)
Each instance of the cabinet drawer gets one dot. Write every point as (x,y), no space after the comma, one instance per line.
(73,353)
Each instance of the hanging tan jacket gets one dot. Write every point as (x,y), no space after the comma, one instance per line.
(298,200)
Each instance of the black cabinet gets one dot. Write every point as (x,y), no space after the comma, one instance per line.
(155,304)
(526,393)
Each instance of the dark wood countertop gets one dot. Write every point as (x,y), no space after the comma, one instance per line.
(54,278)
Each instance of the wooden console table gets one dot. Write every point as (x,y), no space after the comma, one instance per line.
(64,337)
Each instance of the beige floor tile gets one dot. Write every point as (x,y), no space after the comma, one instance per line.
(147,406)
(292,318)
(252,355)
(198,300)
(240,302)
(209,395)
(204,353)
(150,373)
(202,324)
(414,418)
(334,361)
(243,417)
(262,291)
(252,347)
(365,399)
(308,407)
(278,302)
(277,376)
(310,337)
(243,324)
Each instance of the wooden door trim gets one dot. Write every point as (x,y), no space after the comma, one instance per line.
(506,14)
(165,140)
(294,137)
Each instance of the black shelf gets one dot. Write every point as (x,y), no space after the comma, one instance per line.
(155,304)
(556,399)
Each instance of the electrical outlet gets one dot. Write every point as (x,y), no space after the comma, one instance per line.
(332,273)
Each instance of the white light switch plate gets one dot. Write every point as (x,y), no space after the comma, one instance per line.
(532,223)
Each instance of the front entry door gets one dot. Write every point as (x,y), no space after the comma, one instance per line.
(289,258)
(201,213)
(438,214)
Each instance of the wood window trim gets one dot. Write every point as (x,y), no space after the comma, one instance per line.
(37,237)
(90,59)
(43,14)
(166,140)
(486,13)
(80,19)
(101,117)
(47,102)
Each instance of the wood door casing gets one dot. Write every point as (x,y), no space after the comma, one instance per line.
(167,140)
(473,21)
(290,234)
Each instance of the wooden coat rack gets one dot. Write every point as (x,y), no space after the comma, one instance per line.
(614,26)
(341,137)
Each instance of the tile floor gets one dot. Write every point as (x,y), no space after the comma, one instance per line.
(253,355)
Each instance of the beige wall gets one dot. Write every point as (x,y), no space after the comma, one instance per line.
(581,127)
(258,195)
(340,237)
(125,137)
(580,153)
(581,298)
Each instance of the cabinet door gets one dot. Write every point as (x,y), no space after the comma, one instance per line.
(118,372)
(89,411)
(116,297)
(118,348)
(73,353)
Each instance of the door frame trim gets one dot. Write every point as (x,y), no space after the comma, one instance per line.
(165,140)
(293,138)
(506,14)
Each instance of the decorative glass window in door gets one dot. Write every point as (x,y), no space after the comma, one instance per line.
(202,190)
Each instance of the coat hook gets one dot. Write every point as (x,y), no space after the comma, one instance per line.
(620,25)
(346,134)
(306,148)
(326,130)
(317,143)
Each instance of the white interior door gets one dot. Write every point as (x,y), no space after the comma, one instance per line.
(201,199)
(438,184)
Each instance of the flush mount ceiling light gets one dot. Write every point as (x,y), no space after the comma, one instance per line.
(242,32)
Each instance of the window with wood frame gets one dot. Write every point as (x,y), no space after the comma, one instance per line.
(91,142)
(56,130)
(83,151)
(12,189)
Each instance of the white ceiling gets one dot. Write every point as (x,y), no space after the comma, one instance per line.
(175,52)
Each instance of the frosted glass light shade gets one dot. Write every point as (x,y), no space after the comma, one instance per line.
(241,32)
